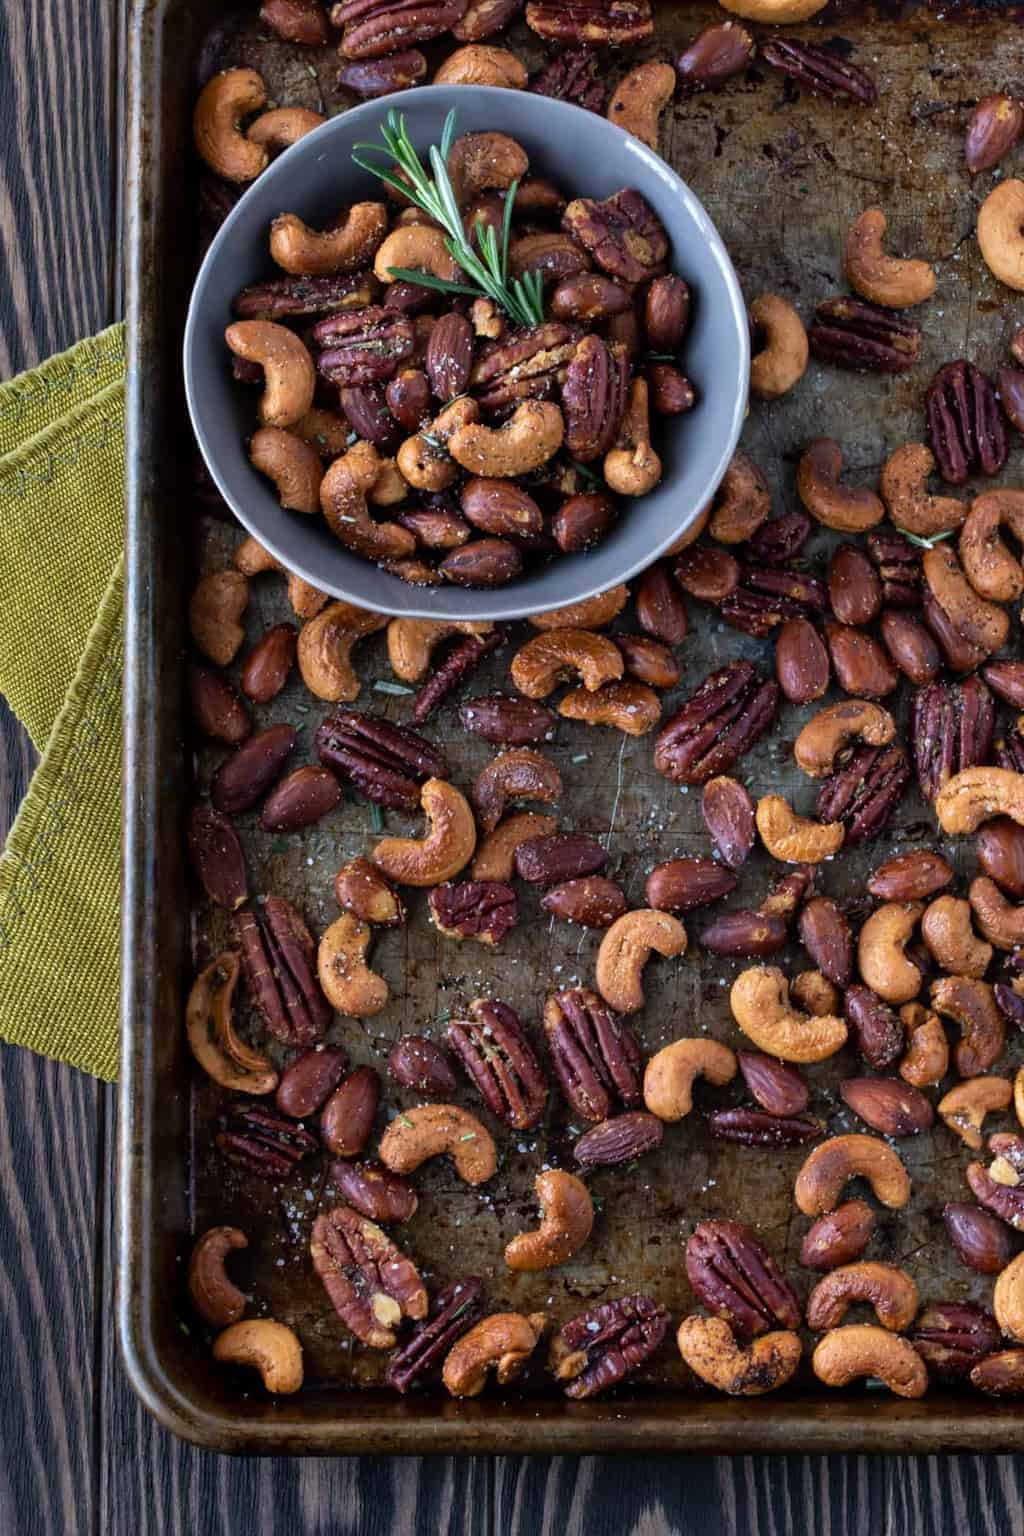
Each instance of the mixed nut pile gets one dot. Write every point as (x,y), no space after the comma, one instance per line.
(913,606)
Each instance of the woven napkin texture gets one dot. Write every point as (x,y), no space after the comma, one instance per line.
(61,653)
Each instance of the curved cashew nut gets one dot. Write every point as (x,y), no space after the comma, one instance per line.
(593,613)
(482,162)
(520,774)
(347,981)
(411,643)
(708,1346)
(432,1129)
(269,1347)
(282,127)
(926,1059)
(863,1349)
(633,468)
(447,847)
(883,964)
(416,248)
(294,467)
(252,560)
(781,361)
(774,13)
(877,277)
(830,1166)
(425,459)
(947,932)
(980,623)
(567,1218)
(794,839)
(344,496)
(988,565)
(972,1005)
(829,732)
(890,1291)
(975,795)
(306,252)
(325,650)
(504,1341)
(964,1107)
(223,102)
(532,434)
(671,1073)
(742,502)
(998,918)
(211,1290)
(1008,1298)
(215,612)
(325,431)
(902,485)
(495,855)
(1000,221)
(814,994)
(632,708)
(761,1006)
(625,950)
(539,665)
(639,99)
(837,506)
(211,1032)
(289,375)
(480,64)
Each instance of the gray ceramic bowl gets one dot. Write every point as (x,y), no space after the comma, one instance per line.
(589,157)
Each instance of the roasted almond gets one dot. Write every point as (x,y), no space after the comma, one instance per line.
(910,876)
(418,1063)
(346,1120)
(889,1105)
(826,936)
(308,1080)
(217,857)
(449,356)
(708,574)
(660,609)
(776,1085)
(999,846)
(728,813)
(749,935)
(840,1237)
(981,1239)
(559,857)
(592,901)
(801,661)
(268,664)
(680,885)
(862,667)
(501,508)
(216,708)
(854,588)
(300,799)
(508,722)
(248,773)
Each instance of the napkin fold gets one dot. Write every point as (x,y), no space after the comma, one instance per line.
(61,657)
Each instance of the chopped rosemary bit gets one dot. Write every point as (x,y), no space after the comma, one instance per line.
(376,818)
(921,543)
(398,689)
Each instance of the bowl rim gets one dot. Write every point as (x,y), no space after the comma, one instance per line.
(433,605)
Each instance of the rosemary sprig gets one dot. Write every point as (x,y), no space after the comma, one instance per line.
(936,538)
(486,269)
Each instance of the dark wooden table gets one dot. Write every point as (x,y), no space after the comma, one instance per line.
(77,1452)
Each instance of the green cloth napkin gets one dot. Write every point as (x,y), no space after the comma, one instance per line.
(61,653)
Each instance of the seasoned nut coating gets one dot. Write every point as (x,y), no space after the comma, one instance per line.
(601,1346)
(500,1061)
(370,1282)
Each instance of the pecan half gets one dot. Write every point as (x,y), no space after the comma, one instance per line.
(864,792)
(575,76)
(598,1348)
(733,1274)
(818,70)
(594,1053)
(279,957)
(453,1311)
(263,1141)
(721,721)
(385,763)
(623,234)
(287,298)
(364,346)
(965,426)
(594,398)
(769,595)
(485,910)
(499,1059)
(951,727)
(463,657)
(953,1336)
(523,366)
(372,28)
(863,337)
(898,563)
(371,1284)
(592,23)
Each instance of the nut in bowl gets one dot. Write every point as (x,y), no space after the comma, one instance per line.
(543,440)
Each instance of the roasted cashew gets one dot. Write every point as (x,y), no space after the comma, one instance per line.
(495,854)
(288,372)
(223,102)
(794,839)
(972,1005)
(430,1130)
(975,795)
(425,459)
(980,623)
(215,612)
(835,505)
(833,1163)
(877,277)
(282,127)
(625,949)
(540,664)
(781,362)
(344,497)
(633,468)
(829,732)
(890,1291)
(567,1218)
(998,918)
(863,1349)
(211,1032)
(412,642)
(592,613)
(528,439)
(902,485)
(632,708)
(347,981)
(484,162)
(742,502)
(481,64)
(881,960)
(910,876)
(774,13)
(964,1107)
(294,467)
(692,533)
(988,565)
(504,1341)
(1000,222)
(951,941)
(325,431)
(269,1347)
(761,1006)
(1008,1298)
(447,848)
(671,1073)
(325,650)
(640,98)
(519,774)
(211,1290)
(346,247)
(417,248)
(815,994)
(926,1059)
(708,1346)
(252,560)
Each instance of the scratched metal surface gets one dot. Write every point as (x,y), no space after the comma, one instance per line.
(783,175)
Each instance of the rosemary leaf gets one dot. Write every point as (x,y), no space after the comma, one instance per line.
(921,543)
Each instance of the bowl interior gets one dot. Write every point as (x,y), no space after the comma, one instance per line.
(589,157)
